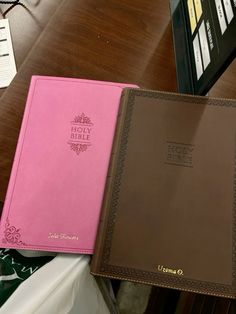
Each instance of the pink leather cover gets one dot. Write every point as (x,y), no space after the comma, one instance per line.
(57,182)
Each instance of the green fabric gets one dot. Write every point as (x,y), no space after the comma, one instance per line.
(15,268)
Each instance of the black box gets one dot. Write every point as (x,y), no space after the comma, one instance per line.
(204,33)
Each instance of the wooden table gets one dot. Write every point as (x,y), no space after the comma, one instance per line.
(120,41)
(27,23)
(115,40)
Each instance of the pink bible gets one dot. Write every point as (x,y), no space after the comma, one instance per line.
(58,176)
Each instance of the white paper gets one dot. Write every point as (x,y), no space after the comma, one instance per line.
(63,285)
(228,10)
(7,60)
(221,16)
(204,45)
(197,56)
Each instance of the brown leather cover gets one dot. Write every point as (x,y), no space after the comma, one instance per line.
(168,216)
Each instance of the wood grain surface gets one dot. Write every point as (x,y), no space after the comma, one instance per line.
(27,21)
(115,40)
(120,41)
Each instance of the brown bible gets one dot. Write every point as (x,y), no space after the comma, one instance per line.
(168,216)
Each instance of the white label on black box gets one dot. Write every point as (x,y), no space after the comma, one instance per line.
(228,10)
(204,45)
(197,57)
(7,60)
(221,16)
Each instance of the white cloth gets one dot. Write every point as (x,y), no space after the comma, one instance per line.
(62,286)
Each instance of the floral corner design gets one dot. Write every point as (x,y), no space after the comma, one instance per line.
(12,235)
